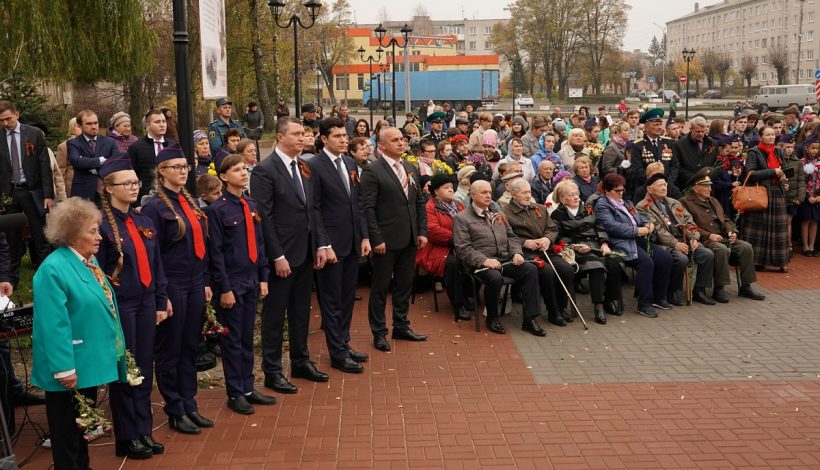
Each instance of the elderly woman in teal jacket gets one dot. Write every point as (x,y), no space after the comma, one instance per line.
(77,339)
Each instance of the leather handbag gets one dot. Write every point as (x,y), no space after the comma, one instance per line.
(750,198)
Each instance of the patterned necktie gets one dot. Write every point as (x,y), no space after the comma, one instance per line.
(199,240)
(300,191)
(159,147)
(100,277)
(16,171)
(343,175)
(402,176)
(93,144)
(139,247)
(251,231)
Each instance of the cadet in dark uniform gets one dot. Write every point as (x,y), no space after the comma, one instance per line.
(239,272)
(181,230)
(653,147)
(436,121)
(129,255)
(223,122)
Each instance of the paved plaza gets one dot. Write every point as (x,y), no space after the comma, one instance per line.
(734,386)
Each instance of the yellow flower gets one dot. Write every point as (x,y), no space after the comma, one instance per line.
(439,166)
(411,160)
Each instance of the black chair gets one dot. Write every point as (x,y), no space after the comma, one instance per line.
(506,282)
(433,280)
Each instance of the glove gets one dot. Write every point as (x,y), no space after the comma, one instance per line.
(626,164)
(809,168)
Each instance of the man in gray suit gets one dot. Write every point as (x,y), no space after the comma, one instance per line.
(394,206)
(295,243)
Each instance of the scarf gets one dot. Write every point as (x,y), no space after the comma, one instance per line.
(451,208)
(621,205)
(771,159)
(618,140)
(579,149)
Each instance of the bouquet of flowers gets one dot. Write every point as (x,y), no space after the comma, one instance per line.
(132,370)
(411,159)
(439,166)
(90,420)
(595,152)
(212,327)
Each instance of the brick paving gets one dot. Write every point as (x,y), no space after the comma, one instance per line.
(668,393)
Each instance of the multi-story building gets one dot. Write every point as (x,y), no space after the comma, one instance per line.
(739,28)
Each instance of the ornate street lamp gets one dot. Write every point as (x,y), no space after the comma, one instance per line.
(276,7)
(370,59)
(405,32)
(688,56)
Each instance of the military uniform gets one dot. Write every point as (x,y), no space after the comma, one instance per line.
(645,151)
(237,264)
(437,117)
(217,130)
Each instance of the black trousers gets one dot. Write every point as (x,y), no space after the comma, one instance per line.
(605,285)
(398,265)
(337,283)
(553,294)
(525,275)
(68,447)
(454,282)
(288,296)
(22,201)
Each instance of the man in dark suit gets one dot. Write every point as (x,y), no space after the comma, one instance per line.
(25,177)
(694,151)
(393,203)
(87,152)
(336,189)
(143,153)
(283,186)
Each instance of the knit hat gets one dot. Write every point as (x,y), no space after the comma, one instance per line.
(522,121)
(119,118)
(560,177)
(465,172)
(199,135)
(539,121)
(489,139)
(454,139)
(559,125)
(657,176)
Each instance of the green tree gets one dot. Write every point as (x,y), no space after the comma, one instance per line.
(748,68)
(24,92)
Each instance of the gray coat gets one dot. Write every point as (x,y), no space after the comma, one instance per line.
(476,240)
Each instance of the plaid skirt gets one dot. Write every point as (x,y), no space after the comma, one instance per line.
(767,231)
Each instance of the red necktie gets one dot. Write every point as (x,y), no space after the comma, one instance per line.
(251,231)
(139,247)
(199,242)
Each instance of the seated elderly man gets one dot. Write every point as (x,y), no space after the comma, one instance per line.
(484,239)
(719,234)
(678,233)
(542,183)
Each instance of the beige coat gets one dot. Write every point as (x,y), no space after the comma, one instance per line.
(680,216)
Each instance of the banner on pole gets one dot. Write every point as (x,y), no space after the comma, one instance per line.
(214,55)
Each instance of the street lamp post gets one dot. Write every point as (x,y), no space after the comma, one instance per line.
(313,7)
(370,59)
(688,55)
(185,118)
(405,32)
(318,73)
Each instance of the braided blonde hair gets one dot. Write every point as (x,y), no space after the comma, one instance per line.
(105,197)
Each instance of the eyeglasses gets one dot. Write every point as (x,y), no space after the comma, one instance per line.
(128,184)
(178,168)
(429,151)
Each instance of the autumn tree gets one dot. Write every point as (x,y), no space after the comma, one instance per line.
(748,68)
(506,42)
(605,24)
(708,60)
(779,59)
(722,66)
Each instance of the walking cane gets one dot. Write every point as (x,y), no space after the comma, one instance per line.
(686,279)
(569,296)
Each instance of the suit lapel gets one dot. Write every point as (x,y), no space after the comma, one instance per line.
(277,162)
(331,167)
(391,173)
(84,274)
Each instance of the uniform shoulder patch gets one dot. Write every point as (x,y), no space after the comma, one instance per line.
(211,134)
(637,141)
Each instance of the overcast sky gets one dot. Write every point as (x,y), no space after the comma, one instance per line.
(639,32)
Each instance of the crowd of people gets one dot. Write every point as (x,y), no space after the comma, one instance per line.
(559,207)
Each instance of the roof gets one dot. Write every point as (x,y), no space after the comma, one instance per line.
(424,59)
(358,32)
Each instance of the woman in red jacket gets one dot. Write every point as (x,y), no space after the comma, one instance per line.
(437,257)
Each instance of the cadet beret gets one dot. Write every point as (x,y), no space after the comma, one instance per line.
(701,177)
(437,116)
(724,139)
(219,155)
(657,176)
(113,165)
(654,113)
(786,139)
(812,139)
(222,102)
(169,153)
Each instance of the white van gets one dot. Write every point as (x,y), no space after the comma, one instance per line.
(772,97)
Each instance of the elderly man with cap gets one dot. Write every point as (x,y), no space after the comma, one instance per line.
(223,122)
(653,147)
(310,118)
(436,121)
(540,124)
(462,124)
(677,232)
(719,234)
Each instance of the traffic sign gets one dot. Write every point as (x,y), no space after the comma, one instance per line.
(817,74)
(683,78)
(650,79)
(730,82)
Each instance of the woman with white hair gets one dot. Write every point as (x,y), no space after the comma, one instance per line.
(573,147)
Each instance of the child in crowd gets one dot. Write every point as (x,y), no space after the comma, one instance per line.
(795,187)
(209,188)
(810,210)
(728,171)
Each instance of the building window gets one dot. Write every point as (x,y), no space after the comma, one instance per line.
(488,30)
(472,45)
(472,30)
(487,45)
(342,82)
(811,36)
(763,42)
(360,81)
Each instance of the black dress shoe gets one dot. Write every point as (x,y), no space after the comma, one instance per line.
(495,326)
(613,307)
(380,343)
(155,446)
(347,365)
(567,315)
(308,371)
(134,449)
(719,294)
(258,398)
(600,317)
(29,399)
(675,298)
(531,326)
(279,383)
(240,405)
(183,424)
(462,314)
(408,335)
(557,320)
(200,420)
(358,356)
(469,305)
(750,293)
(699,296)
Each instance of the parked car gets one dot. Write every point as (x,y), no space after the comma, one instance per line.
(775,97)
(646,95)
(668,95)
(690,93)
(524,101)
(712,94)
(634,94)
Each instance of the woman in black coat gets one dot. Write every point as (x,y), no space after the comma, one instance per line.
(577,228)
(767,230)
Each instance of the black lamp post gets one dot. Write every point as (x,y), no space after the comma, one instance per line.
(185,113)
(688,55)
(405,32)
(318,72)
(276,7)
(370,59)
